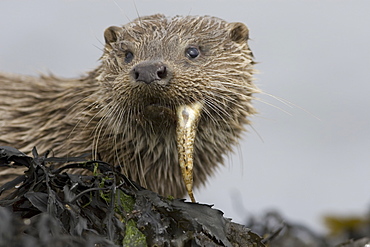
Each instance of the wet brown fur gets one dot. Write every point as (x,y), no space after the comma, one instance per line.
(109,115)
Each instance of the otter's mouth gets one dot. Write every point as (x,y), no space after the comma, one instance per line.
(159,113)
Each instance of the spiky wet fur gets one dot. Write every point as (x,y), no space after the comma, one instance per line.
(110,116)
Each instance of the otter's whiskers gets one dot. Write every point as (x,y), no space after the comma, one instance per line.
(187,122)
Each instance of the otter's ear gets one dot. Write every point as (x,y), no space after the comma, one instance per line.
(238,32)
(111,34)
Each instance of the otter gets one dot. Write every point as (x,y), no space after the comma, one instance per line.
(124,111)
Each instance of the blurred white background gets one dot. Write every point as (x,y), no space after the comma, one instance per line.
(315,54)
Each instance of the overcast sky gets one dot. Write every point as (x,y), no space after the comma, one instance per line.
(307,159)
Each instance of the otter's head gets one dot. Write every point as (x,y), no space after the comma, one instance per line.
(155,64)
(188,80)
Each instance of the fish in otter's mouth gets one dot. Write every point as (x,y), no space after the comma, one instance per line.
(187,121)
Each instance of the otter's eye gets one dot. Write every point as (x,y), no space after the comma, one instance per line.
(192,52)
(129,56)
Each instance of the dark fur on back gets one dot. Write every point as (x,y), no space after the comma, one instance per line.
(111,116)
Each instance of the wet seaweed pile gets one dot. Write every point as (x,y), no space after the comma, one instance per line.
(52,205)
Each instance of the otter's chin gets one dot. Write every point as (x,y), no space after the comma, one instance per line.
(159,114)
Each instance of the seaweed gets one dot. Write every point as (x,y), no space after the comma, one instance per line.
(76,202)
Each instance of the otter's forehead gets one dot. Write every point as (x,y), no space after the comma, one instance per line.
(188,27)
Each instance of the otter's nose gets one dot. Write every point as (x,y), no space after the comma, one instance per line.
(149,72)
